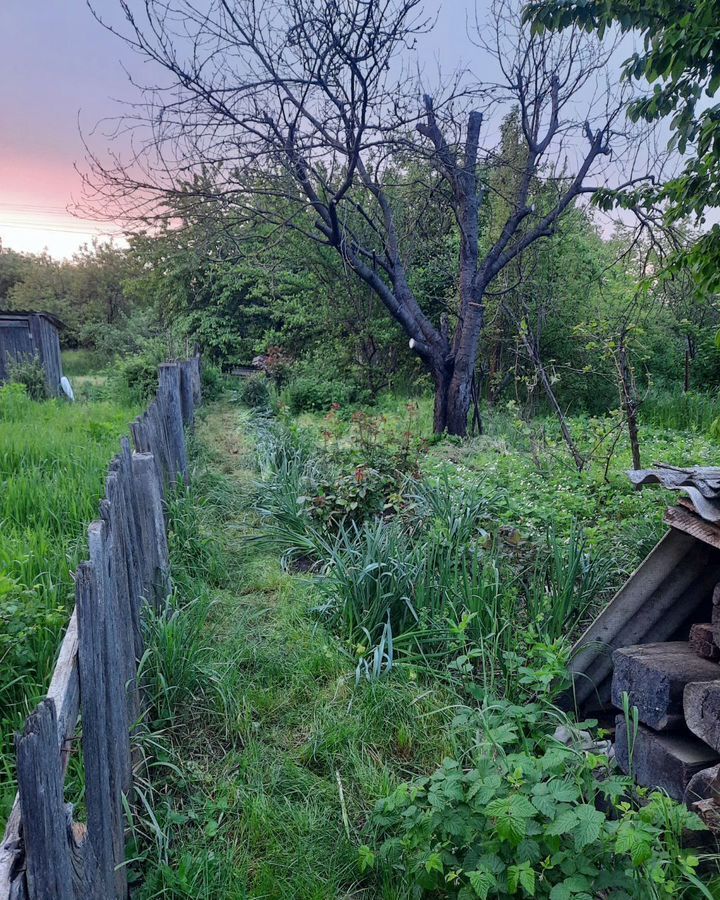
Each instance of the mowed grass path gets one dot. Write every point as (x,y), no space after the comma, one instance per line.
(269,788)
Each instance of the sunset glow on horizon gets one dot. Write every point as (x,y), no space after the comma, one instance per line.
(57,67)
(34,214)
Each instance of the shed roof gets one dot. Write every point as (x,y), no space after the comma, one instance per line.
(701,484)
(14,313)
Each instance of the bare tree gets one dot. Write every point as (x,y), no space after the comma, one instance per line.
(307,113)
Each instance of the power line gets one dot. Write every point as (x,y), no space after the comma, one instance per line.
(43,226)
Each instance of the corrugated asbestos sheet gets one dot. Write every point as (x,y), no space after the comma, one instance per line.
(670,590)
(702,485)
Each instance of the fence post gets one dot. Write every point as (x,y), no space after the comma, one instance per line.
(40,782)
(169,399)
(117,723)
(187,401)
(96,753)
(154,549)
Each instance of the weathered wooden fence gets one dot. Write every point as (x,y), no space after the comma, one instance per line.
(45,855)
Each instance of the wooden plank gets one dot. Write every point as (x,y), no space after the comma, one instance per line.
(40,781)
(117,723)
(186,393)
(96,753)
(87,883)
(169,397)
(154,538)
(682,519)
(196,380)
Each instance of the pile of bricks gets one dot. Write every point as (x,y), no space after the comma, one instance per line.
(675,687)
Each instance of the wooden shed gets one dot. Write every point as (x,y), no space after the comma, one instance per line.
(26,334)
(655,647)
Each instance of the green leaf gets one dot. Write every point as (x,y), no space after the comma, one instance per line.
(521,876)
(482,882)
(434,863)
(590,822)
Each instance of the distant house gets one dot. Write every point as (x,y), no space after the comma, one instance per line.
(31,334)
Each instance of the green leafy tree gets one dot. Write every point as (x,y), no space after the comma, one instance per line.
(680,58)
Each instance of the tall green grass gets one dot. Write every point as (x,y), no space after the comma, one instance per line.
(53,461)
(83,362)
(691,411)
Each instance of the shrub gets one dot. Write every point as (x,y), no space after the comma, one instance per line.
(212,380)
(136,377)
(29,372)
(255,391)
(307,394)
(524,818)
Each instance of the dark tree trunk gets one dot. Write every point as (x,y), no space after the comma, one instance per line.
(440,414)
(453,395)
(629,402)
(458,404)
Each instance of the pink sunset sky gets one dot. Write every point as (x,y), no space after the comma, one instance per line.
(55,63)
(58,66)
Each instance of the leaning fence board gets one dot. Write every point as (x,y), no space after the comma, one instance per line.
(44,853)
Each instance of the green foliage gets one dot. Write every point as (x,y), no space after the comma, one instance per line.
(679,59)
(315,393)
(691,411)
(28,371)
(410,569)
(87,292)
(255,391)
(212,381)
(265,784)
(522,817)
(261,790)
(135,377)
(82,362)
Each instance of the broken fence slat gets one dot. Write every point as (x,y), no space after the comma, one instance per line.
(40,782)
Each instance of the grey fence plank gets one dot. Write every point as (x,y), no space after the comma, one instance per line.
(40,782)
(169,397)
(117,723)
(152,527)
(96,755)
(187,404)
(196,380)
(124,581)
(85,870)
